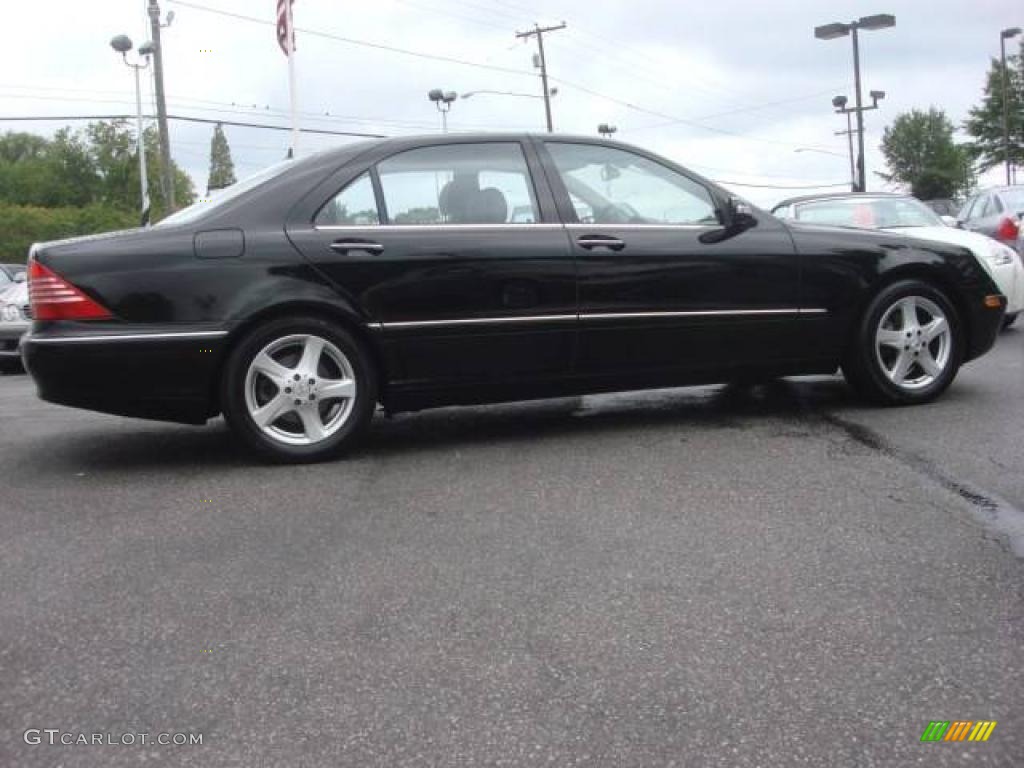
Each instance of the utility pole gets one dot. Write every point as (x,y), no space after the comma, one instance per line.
(538,32)
(166,177)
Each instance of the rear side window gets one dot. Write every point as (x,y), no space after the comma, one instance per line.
(480,183)
(355,206)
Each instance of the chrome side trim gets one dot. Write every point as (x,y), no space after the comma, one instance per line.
(595,316)
(476,321)
(690,313)
(125,337)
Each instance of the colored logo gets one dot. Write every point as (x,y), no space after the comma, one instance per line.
(958,730)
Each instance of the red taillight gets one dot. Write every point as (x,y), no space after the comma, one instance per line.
(1008,229)
(54,298)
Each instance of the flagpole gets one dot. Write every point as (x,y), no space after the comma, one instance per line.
(291,83)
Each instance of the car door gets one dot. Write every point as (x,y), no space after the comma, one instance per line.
(453,252)
(658,288)
(984,215)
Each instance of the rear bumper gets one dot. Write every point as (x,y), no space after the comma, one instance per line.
(167,374)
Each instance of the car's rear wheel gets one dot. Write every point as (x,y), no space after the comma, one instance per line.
(298,389)
(908,346)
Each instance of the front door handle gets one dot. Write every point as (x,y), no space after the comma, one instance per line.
(600,241)
(344,246)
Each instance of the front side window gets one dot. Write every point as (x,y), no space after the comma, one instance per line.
(481,183)
(613,186)
(354,206)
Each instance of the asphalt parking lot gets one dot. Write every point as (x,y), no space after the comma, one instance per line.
(777,576)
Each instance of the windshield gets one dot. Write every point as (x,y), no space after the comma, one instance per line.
(869,213)
(202,207)
(1014,199)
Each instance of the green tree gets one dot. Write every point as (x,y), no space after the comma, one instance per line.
(985,121)
(920,152)
(222,168)
(113,148)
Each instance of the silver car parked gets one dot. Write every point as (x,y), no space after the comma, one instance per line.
(15,318)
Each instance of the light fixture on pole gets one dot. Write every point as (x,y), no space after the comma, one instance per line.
(839,29)
(1005,35)
(443,101)
(839,102)
(122,44)
(606,130)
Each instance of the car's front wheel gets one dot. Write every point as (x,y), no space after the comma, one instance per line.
(1010,320)
(298,389)
(908,346)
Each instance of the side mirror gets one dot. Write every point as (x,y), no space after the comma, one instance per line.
(950,221)
(20,277)
(736,215)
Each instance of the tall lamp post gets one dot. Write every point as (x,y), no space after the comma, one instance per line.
(1005,35)
(443,101)
(122,44)
(839,29)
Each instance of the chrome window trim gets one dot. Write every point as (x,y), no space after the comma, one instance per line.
(125,337)
(574,227)
(432,227)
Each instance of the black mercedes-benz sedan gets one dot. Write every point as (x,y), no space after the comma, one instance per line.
(418,272)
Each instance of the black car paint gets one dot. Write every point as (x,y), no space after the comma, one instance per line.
(523,289)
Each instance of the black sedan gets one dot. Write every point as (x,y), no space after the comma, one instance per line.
(418,272)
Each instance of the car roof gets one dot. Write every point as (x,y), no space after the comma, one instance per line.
(836,196)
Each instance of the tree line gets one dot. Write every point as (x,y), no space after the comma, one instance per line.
(921,152)
(86,181)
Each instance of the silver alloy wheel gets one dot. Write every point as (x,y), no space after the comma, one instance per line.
(300,389)
(913,342)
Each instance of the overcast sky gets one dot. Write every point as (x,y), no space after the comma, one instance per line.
(732,89)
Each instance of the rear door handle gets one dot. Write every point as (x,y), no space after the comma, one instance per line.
(600,241)
(344,246)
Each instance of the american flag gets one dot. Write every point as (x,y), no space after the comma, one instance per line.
(284,25)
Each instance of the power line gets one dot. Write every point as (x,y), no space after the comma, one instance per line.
(464,62)
(353,41)
(187,119)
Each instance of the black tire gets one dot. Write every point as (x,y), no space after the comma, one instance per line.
(1010,320)
(865,371)
(359,409)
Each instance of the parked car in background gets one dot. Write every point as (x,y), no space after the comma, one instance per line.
(9,274)
(909,216)
(944,206)
(435,270)
(997,213)
(15,318)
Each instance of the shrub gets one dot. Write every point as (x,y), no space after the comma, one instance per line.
(22,225)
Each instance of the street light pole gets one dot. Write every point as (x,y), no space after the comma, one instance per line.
(839,29)
(166,177)
(861,179)
(122,44)
(1005,35)
(443,101)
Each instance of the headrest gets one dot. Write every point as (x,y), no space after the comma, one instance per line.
(490,207)
(456,198)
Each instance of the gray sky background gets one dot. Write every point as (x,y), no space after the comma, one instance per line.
(731,89)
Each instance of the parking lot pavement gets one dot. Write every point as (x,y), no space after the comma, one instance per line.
(716,577)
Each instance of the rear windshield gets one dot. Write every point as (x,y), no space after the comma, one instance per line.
(202,207)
